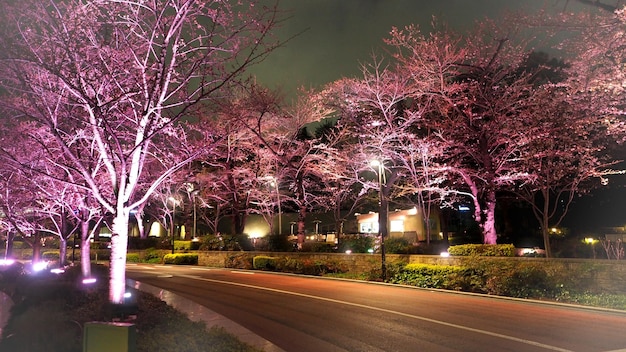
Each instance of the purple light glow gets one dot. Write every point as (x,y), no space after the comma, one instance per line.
(89,280)
(7,262)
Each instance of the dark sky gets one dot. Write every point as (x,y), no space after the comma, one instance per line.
(337,35)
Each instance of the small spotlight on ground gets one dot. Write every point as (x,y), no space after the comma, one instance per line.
(7,262)
(370,251)
(89,280)
(57,270)
(349,251)
(39,266)
(444,254)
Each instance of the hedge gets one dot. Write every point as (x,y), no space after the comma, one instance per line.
(504,277)
(263,262)
(428,276)
(181,259)
(483,250)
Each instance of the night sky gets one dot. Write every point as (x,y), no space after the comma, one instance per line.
(337,35)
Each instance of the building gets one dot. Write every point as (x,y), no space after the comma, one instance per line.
(408,224)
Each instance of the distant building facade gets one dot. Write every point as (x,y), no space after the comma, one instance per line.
(409,224)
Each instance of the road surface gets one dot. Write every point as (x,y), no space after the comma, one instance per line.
(315,314)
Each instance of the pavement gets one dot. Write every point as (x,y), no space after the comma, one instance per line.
(197,312)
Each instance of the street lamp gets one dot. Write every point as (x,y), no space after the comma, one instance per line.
(382,214)
(173,227)
(191,189)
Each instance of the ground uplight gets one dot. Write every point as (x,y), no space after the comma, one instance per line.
(7,262)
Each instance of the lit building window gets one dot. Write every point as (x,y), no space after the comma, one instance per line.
(396,226)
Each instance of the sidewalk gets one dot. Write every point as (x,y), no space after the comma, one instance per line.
(197,312)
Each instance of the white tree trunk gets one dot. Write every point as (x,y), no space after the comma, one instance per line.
(119,244)
(85,253)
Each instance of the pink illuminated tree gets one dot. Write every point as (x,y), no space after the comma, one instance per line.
(113,82)
(579,116)
(473,90)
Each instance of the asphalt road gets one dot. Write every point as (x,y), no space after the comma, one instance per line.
(314,314)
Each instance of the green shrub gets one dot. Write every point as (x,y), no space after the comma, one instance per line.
(100,254)
(290,265)
(279,243)
(518,279)
(397,245)
(143,243)
(263,262)
(318,247)
(152,255)
(182,245)
(526,278)
(181,259)
(239,261)
(427,276)
(50,255)
(195,245)
(19,245)
(483,250)
(356,243)
(133,258)
(52,242)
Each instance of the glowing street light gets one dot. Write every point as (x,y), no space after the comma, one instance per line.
(173,227)
(193,192)
(274,183)
(382,218)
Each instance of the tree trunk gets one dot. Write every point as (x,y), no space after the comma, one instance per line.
(9,245)
(62,251)
(139,218)
(85,254)
(301,226)
(35,244)
(489,224)
(545,224)
(119,245)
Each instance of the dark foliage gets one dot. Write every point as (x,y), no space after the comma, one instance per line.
(50,312)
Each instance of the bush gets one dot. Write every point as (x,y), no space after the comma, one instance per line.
(18,245)
(181,259)
(484,250)
(427,276)
(318,247)
(152,256)
(50,255)
(239,261)
(355,243)
(506,277)
(279,243)
(182,245)
(263,262)
(101,254)
(133,258)
(142,243)
(397,245)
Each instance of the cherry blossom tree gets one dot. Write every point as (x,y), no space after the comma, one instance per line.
(307,162)
(472,89)
(120,76)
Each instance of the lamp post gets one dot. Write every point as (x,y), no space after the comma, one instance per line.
(173,227)
(280,220)
(192,191)
(382,215)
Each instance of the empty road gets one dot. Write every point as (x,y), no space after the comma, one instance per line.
(314,314)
